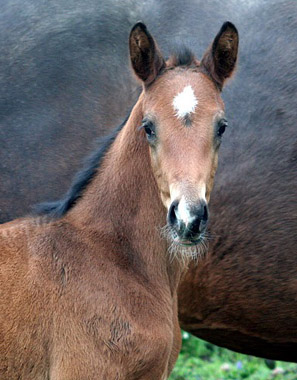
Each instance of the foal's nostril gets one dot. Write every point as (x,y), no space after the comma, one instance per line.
(172,219)
(198,223)
(205,213)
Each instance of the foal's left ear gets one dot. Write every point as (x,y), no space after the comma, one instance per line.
(219,61)
(146,59)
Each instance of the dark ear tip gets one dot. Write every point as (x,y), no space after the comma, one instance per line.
(228,25)
(139,25)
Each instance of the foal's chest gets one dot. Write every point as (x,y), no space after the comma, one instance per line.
(111,348)
(110,334)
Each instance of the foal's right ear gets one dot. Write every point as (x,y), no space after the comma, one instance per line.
(146,59)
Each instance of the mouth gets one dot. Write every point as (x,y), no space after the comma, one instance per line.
(186,242)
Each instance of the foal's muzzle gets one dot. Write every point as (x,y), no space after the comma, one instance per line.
(188,222)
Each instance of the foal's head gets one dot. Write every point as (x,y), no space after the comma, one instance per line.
(184,120)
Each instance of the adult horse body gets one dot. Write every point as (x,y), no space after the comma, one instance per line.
(243,294)
(92,293)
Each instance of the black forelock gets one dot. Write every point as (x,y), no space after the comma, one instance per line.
(182,56)
(81,180)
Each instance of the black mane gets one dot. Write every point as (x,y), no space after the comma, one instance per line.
(81,180)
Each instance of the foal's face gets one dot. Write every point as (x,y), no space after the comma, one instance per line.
(184,121)
(183,117)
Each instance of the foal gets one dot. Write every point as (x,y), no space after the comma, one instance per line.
(91,292)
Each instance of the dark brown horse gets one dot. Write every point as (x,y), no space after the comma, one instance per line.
(92,293)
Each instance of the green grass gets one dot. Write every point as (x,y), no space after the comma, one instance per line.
(200,360)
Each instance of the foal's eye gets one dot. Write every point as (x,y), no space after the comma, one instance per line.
(221,127)
(150,130)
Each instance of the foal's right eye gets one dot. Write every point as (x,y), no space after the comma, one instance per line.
(150,130)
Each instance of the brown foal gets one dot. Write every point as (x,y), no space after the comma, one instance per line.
(92,294)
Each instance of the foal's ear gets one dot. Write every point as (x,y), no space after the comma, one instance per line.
(145,55)
(219,61)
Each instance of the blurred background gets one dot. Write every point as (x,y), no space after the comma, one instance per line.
(200,360)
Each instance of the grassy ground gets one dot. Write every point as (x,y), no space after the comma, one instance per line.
(199,360)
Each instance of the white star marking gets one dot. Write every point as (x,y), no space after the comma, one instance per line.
(185,102)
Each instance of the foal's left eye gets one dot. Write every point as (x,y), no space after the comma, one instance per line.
(221,127)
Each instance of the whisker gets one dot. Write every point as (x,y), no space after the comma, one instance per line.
(184,254)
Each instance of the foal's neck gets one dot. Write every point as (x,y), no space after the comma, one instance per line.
(122,202)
